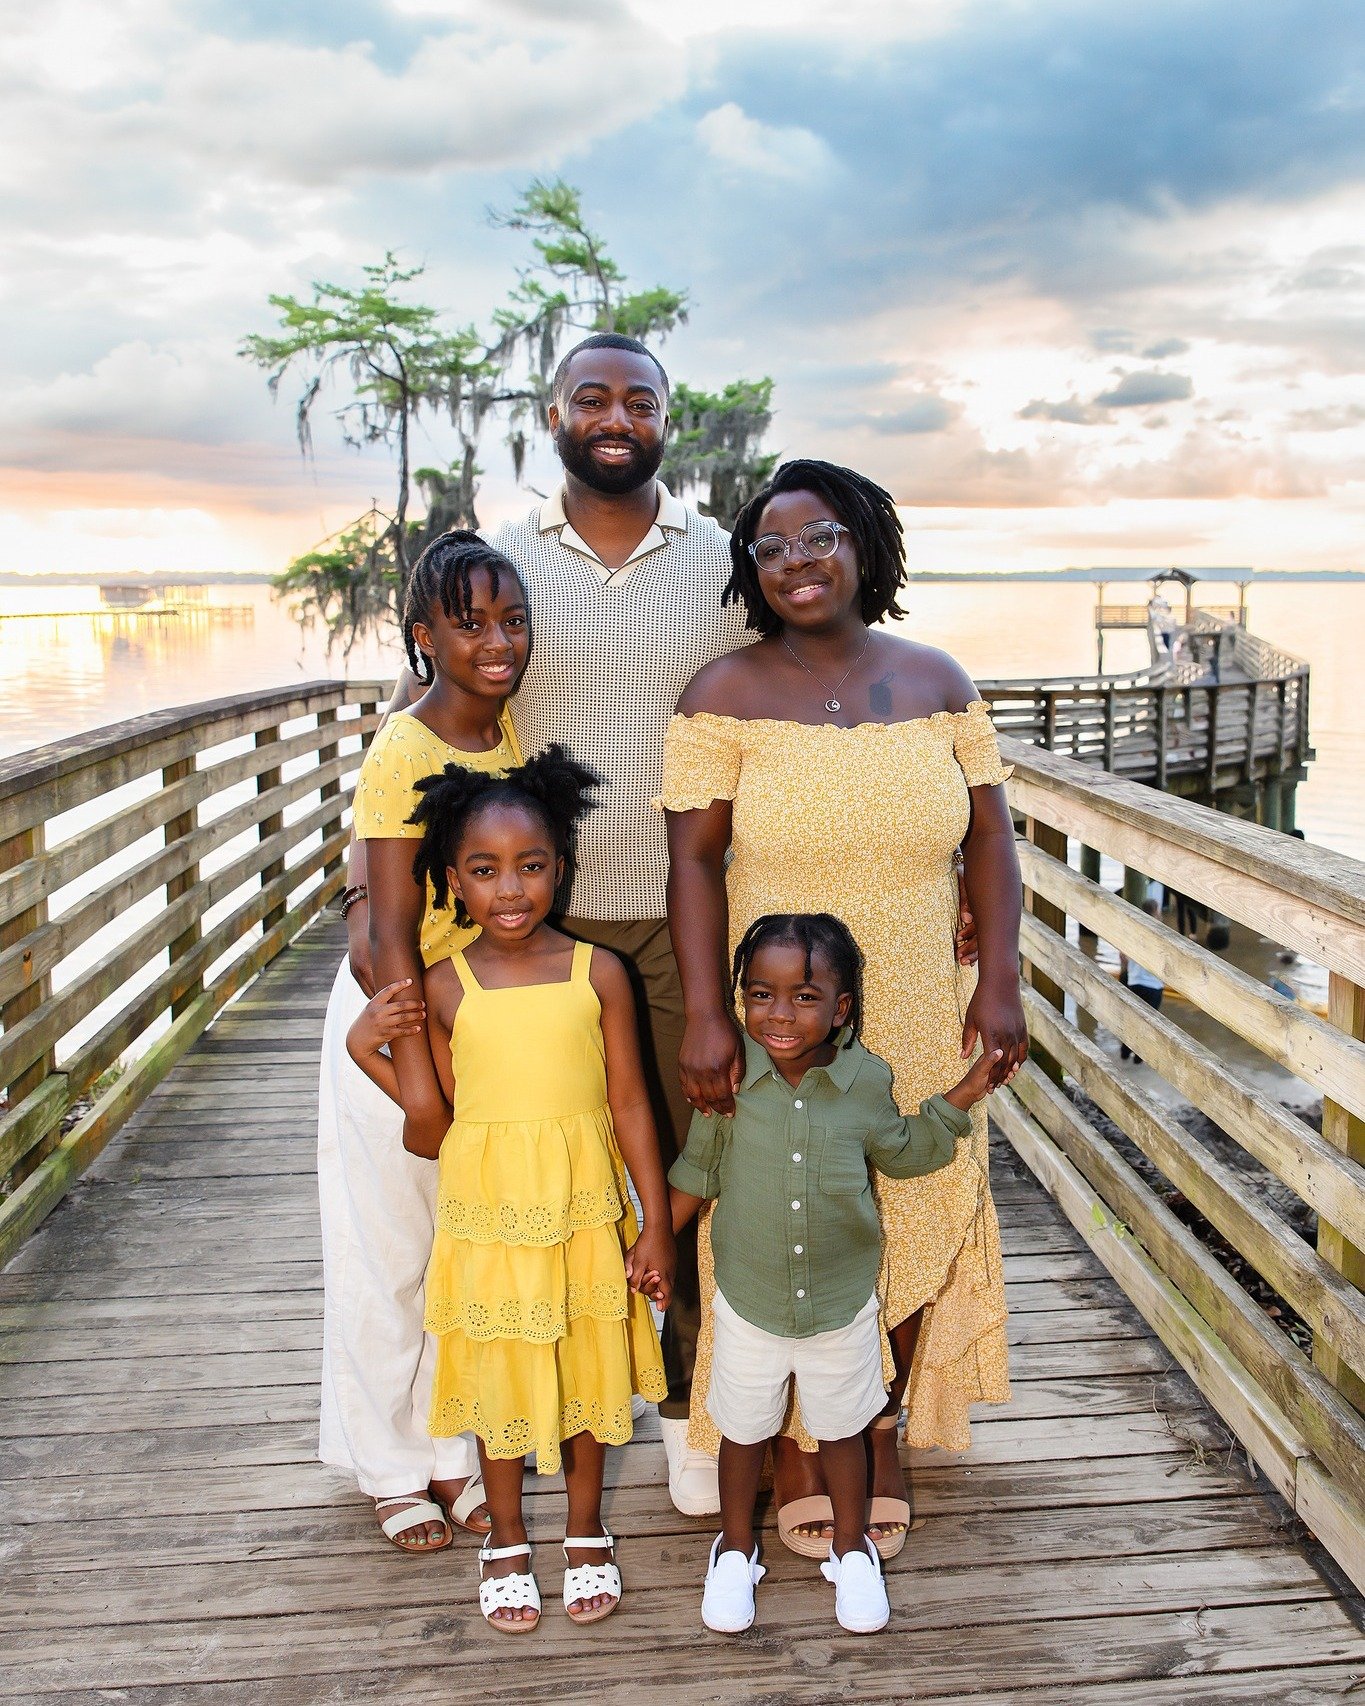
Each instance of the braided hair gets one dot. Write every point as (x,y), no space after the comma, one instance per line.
(440,576)
(814,933)
(865,509)
(553,788)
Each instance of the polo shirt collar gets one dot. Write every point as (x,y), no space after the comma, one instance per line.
(670,517)
(840,1072)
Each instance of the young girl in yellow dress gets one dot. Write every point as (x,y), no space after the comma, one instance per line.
(533,1291)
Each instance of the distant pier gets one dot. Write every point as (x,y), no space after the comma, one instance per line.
(1219,715)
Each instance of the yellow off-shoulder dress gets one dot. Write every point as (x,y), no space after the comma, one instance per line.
(539,1337)
(863,822)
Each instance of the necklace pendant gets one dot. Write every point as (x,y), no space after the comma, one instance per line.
(833,704)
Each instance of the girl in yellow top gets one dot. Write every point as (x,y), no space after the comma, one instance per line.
(534,1285)
(466,629)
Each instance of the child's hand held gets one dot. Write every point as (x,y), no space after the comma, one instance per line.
(977,1083)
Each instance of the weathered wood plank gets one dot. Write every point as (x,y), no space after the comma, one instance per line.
(1325,1056)
(1330,1303)
(1189,1634)
(1328,1181)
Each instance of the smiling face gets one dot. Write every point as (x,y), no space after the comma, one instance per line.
(506,870)
(801,591)
(481,650)
(609,419)
(789,1013)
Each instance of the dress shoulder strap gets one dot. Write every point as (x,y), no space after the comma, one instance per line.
(465,972)
(582,961)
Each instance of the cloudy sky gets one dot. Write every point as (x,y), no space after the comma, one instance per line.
(1080,282)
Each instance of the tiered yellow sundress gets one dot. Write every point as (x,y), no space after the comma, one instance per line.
(539,1336)
(862,822)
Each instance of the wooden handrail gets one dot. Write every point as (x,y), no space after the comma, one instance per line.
(240,807)
(1300,1418)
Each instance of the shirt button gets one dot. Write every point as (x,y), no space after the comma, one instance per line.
(796,1205)
(800,1294)
(799,1248)
(798,1103)
(796,1157)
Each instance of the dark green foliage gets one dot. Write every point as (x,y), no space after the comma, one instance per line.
(714,444)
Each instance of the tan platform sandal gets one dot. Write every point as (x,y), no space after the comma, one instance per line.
(798,1512)
(885,1512)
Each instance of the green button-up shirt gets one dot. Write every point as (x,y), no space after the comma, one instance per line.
(795,1232)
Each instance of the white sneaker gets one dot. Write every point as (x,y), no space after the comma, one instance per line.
(727,1602)
(639,1407)
(860,1601)
(693,1483)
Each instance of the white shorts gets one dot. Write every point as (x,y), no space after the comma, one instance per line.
(838,1377)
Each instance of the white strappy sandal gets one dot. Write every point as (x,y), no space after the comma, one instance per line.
(586,1581)
(471,1496)
(508,1593)
(415,1512)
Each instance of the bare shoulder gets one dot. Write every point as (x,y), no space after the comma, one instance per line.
(442,988)
(939,676)
(608,976)
(722,687)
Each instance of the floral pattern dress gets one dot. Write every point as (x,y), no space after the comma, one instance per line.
(863,822)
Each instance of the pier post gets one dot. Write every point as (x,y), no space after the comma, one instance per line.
(1135,885)
(1090,868)
(330,790)
(27,846)
(272,825)
(179,828)
(1346,1010)
(1053,843)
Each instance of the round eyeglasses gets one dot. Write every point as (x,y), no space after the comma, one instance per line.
(817,539)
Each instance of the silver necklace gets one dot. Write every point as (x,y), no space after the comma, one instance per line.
(832,703)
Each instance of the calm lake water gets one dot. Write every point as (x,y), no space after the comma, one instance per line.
(65,673)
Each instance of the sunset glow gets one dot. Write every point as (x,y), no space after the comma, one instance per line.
(1077,282)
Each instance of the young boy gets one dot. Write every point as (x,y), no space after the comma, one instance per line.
(797,1244)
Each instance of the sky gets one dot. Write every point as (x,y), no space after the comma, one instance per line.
(1080,283)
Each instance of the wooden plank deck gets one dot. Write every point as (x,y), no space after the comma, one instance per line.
(167,1536)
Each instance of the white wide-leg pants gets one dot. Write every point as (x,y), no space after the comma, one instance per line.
(378,1206)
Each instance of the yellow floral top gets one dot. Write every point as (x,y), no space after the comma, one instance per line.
(863,822)
(401,754)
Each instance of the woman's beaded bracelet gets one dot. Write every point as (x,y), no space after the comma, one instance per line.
(351,896)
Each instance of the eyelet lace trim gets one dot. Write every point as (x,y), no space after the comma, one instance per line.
(542,1320)
(537,1223)
(608,1424)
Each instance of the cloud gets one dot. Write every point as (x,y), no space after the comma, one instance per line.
(1164,348)
(925,413)
(1340,417)
(1137,390)
(734,139)
(1071,412)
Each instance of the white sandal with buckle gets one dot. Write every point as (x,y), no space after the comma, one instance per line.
(508,1593)
(416,1512)
(586,1581)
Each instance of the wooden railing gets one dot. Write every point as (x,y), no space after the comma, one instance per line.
(1139,615)
(1297,1415)
(147,872)
(1197,738)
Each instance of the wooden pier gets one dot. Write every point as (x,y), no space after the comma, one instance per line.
(165,1534)
(1239,741)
